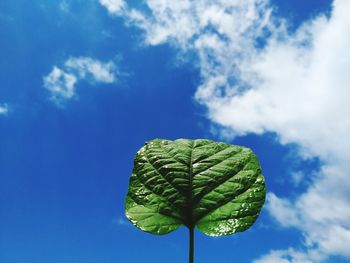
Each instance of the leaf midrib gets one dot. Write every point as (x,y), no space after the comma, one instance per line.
(191,223)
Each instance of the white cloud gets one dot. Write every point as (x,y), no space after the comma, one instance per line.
(4,109)
(114,7)
(91,68)
(61,82)
(291,256)
(322,212)
(283,210)
(258,77)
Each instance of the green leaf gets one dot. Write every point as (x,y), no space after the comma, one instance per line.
(215,186)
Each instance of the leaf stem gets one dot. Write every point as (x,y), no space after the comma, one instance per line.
(191,253)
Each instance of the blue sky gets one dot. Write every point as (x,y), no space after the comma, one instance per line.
(83,84)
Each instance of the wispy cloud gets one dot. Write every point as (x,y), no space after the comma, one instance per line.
(61,82)
(114,7)
(95,70)
(121,221)
(64,6)
(4,109)
(257,77)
